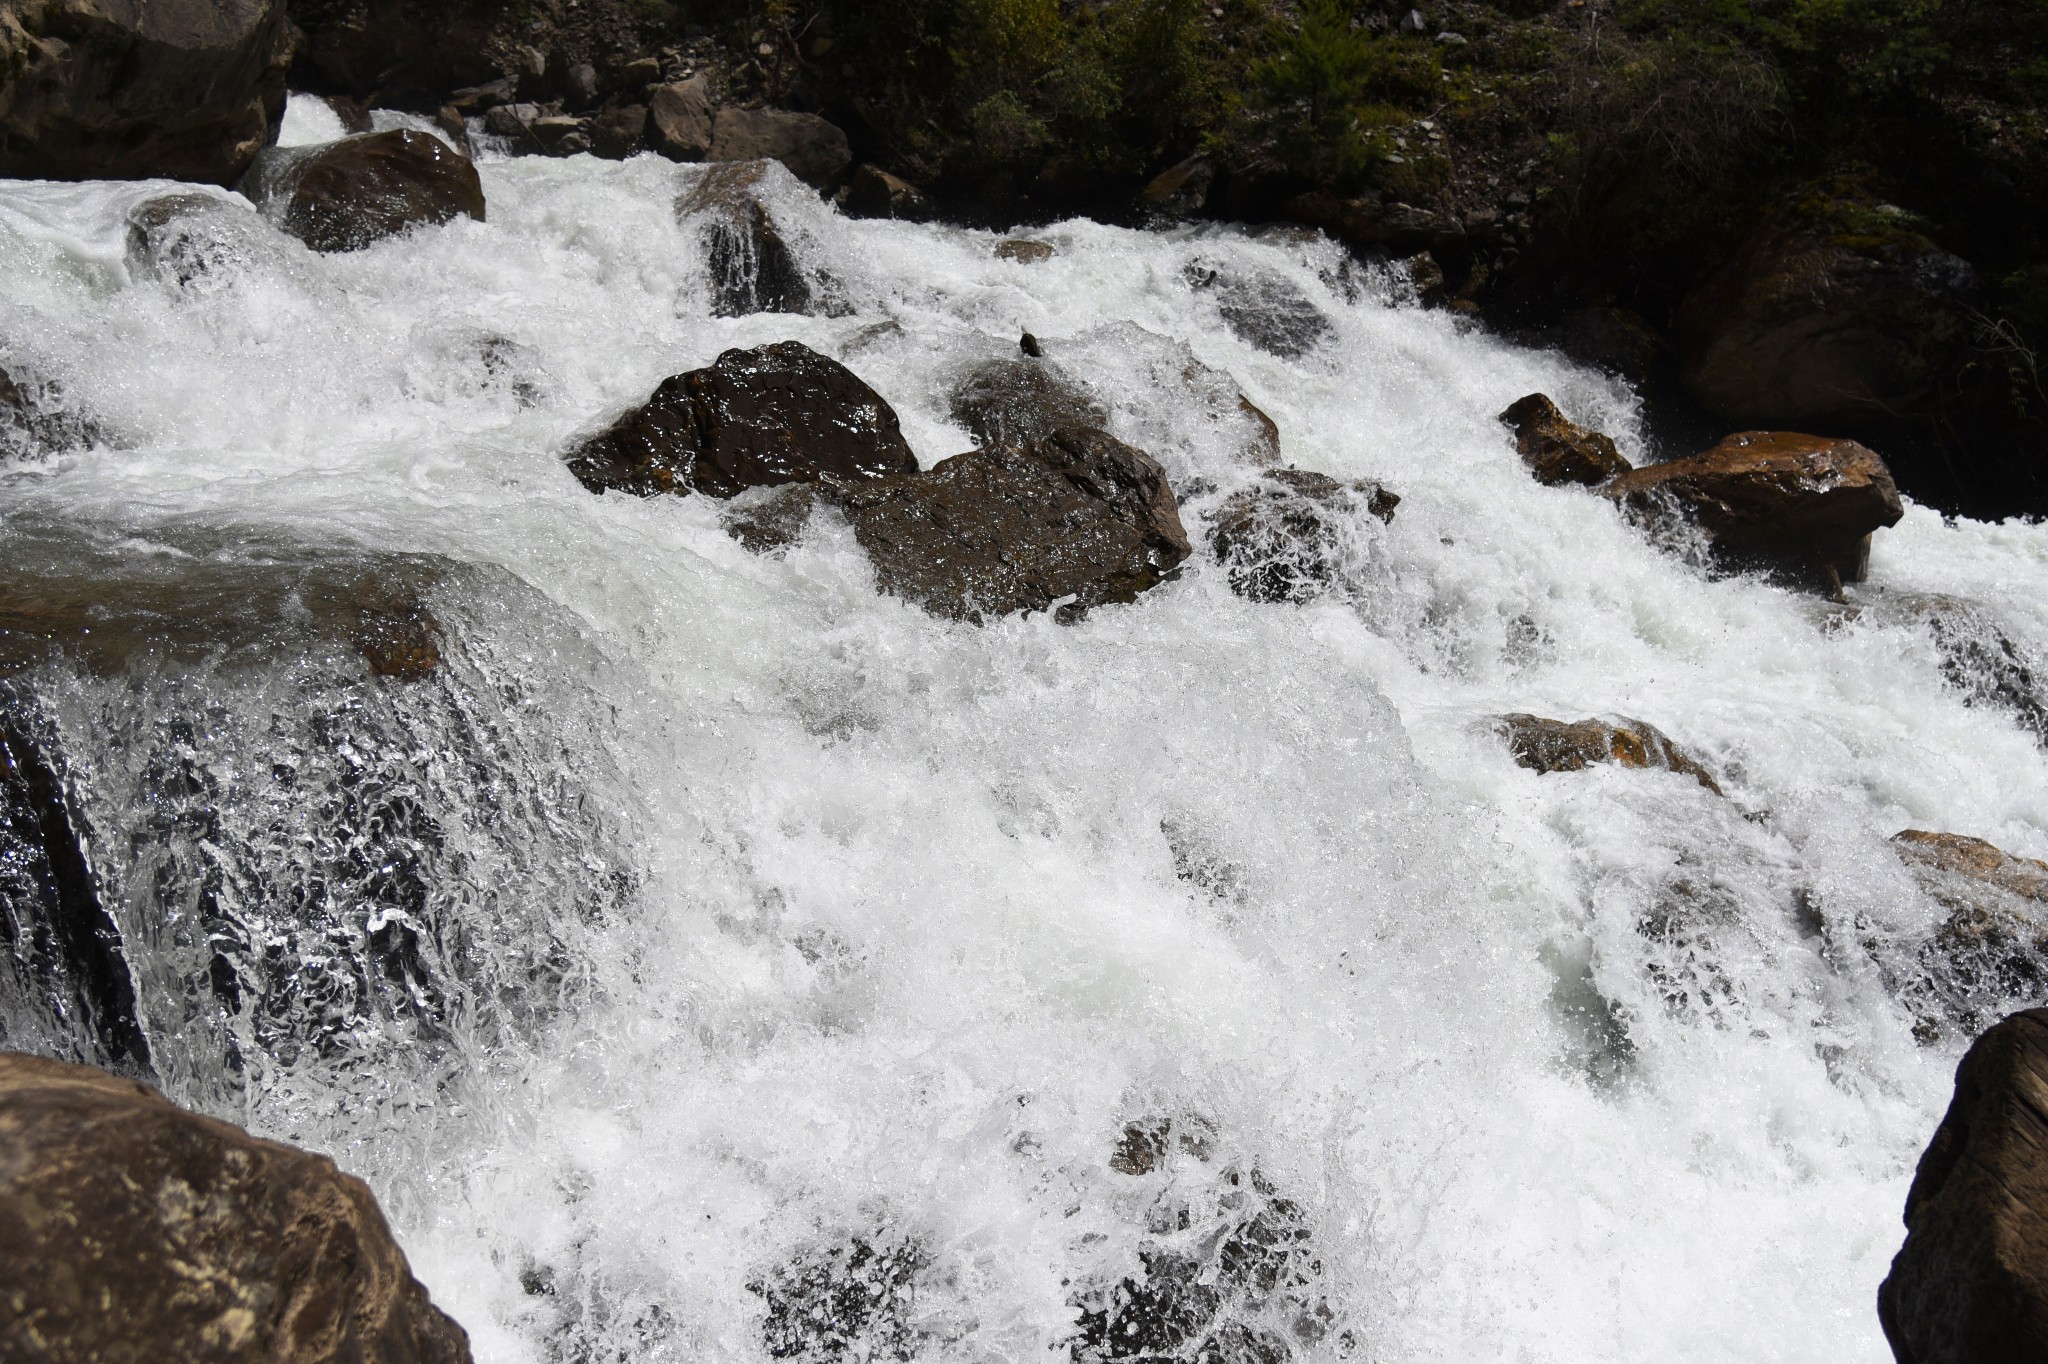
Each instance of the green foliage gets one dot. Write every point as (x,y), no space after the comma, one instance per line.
(1322,63)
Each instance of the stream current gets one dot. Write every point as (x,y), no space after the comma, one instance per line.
(716,959)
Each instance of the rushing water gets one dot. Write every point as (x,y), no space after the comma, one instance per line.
(710,935)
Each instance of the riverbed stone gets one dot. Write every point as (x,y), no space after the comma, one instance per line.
(754,418)
(351,193)
(1281,540)
(183,89)
(132,1230)
(1970,1284)
(1544,745)
(1804,506)
(1557,449)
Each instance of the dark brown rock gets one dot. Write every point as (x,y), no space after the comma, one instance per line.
(874,193)
(1802,504)
(116,90)
(755,418)
(1970,1284)
(1181,190)
(679,119)
(1280,540)
(1838,308)
(214,1244)
(753,269)
(1024,251)
(1558,450)
(1559,746)
(618,133)
(1018,401)
(346,195)
(814,150)
(1075,515)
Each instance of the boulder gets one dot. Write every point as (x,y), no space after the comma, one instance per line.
(132,1230)
(753,269)
(1181,190)
(1018,401)
(1024,251)
(1559,746)
(874,193)
(1074,515)
(348,194)
(1803,505)
(619,132)
(1970,1284)
(1558,450)
(815,151)
(1264,309)
(755,418)
(117,90)
(1837,309)
(1281,539)
(37,416)
(1993,946)
(679,119)
(1980,657)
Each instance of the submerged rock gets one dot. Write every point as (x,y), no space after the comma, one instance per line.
(1024,251)
(209,1243)
(1016,401)
(814,150)
(755,418)
(1559,746)
(348,194)
(187,238)
(1982,660)
(1280,540)
(851,1300)
(1264,309)
(1558,450)
(752,268)
(98,91)
(1802,505)
(1970,1284)
(1992,948)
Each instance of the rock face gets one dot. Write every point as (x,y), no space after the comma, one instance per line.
(214,1244)
(815,151)
(755,418)
(1993,946)
(1559,746)
(1970,1285)
(1837,309)
(752,268)
(348,194)
(1558,450)
(1281,539)
(115,90)
(1805,505)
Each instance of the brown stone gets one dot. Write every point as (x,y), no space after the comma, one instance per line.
(132,1231)
(1970,1284)
(753,269)
(1024,251)
(755,418)
(874,193)
(118,90)
(1017,401)
(1280,540)
(349,194)
(1802,504)
(679,119)
(1559,746)
(814,150)
(1558,450)
(1993,946)
(1181,190)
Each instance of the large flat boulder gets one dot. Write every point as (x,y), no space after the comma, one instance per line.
(120,90)
(1805,505)
(1970,1284)
(754,418)
(356,191)
(133,1231)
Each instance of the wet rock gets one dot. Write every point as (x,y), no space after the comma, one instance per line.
(1802,505)
(1024,251)
(1993,946)
(215,1245)
(1283,539)
(1838,308)
(560,134)
(37,417)
(679,117)
(814,150)
(1264,309)
(1074,516)
(753,269)
(1181,190)
(1017,401)
(1558,450)
(346,195)
(187,238)
(874,193)
(755,418)
(1983,662)
(1970,1284)
(852,1300)
(1427,276)
(618,133)
(65,984)
(98,91)
(1559,746)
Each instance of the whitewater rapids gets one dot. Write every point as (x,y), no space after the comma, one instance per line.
(913,917)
